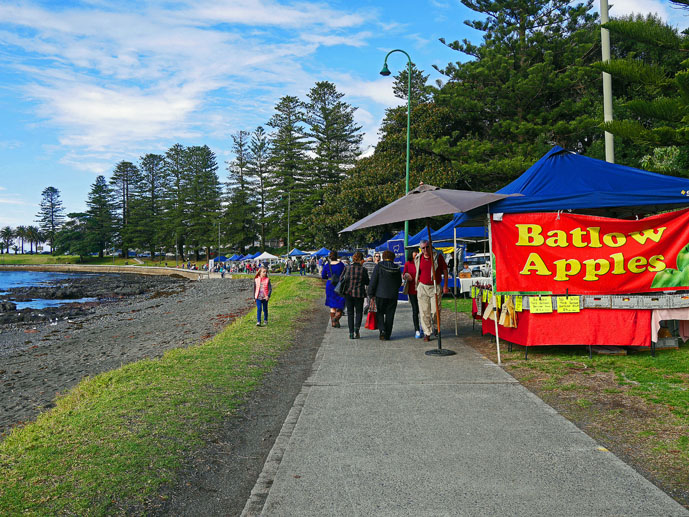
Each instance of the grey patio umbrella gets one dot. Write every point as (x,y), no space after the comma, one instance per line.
(428,201)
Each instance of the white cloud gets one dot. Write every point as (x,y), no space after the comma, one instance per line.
(117,77)
(639,6)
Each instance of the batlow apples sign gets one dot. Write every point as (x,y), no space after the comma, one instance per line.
(591,255)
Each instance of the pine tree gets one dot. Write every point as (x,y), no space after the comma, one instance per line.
(257,170)
(653,109)
(288,164)
(148,208)
(204,198)
(240,206)
(124,181)
(99,221)
(51,215)
(420,91)
(176,202)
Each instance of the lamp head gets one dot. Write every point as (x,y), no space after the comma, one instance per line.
(385,71)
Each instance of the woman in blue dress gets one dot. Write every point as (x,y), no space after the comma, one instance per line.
(332,271)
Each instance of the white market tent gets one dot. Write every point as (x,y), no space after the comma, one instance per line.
(266,256)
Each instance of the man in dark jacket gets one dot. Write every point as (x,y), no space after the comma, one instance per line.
(385,285)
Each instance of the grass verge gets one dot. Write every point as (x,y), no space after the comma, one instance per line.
(636,405)
(115,439)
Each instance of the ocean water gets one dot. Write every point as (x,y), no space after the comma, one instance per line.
(12,279)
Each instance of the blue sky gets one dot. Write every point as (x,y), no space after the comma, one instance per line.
(87,84)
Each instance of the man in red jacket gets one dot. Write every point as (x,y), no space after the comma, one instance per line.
(424,285)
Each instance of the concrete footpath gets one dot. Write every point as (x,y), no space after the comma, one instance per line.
(381,429)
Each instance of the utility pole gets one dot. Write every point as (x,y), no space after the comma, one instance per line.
(607,83)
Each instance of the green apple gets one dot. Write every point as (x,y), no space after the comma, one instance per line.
(684,280)
(683,258)
(667,278)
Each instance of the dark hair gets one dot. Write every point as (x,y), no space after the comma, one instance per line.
(410,255)
(358,256)
(388,255)
(332,255)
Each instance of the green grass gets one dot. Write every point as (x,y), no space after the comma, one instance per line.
(116,438)
(463,304)
(37,259)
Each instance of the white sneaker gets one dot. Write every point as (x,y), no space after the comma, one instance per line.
(258,323)
(418,334)
(265,323)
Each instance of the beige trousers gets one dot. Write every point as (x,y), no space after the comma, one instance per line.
(427,307)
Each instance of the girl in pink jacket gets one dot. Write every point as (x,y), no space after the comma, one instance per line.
(262,292)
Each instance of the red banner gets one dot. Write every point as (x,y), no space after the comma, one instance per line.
(583,254)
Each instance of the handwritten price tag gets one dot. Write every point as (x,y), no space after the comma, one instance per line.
(518,303)
(568,304)
(540,304)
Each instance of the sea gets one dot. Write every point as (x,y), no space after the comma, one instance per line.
(12,279)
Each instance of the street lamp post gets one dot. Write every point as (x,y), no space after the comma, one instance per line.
(385,72)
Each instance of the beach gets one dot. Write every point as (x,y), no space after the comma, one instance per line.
(140,317)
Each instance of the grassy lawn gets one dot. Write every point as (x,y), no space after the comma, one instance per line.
(636,405)
(463,304)
(114,439)
(38,259)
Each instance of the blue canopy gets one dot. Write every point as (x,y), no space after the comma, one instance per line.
(398,236)
(563,180)
(252,257)
(221,258)
(323,252)
(233,257)
(296,253)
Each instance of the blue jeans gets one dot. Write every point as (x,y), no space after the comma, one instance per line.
(261,304)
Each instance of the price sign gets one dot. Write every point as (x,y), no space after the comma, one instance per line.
(484,295)
(540,304)
(568,304)
(518,303)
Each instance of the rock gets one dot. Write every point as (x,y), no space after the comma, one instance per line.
(8,307)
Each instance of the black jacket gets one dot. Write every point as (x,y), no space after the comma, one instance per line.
(385,280)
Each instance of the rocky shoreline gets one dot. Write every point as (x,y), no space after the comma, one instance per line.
(44,352)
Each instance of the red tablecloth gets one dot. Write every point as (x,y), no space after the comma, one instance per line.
(606,327)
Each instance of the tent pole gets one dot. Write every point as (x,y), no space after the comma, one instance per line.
(454,276)
(440,350)
(492,283)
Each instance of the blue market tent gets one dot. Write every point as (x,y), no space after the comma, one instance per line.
(252,257)
(323,252)
(221,258)
(398,236)
(296,253)
(563,180)
(232,258)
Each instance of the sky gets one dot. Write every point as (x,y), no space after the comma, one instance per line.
(87,84)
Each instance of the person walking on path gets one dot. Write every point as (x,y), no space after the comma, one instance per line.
(369,266)
(409,274)
(424,285)
(331,271)
(385,285)
(262,291)
(356,278)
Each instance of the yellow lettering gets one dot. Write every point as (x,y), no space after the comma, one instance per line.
(655,263)
(566,268)
(559,239)
(529,235)
(594,233)
(535,263)
(614,239)
(653,234)
(593,272)
(618,261)
(577,235)
(635,264)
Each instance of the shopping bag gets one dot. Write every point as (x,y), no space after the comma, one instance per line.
(371,321)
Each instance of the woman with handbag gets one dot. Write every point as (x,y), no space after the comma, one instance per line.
(331,272)
(356,280)
(409,274)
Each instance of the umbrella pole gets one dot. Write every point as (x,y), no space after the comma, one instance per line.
(440,350)
(492,284)
(454,276)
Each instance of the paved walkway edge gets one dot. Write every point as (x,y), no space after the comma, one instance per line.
(259,494)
